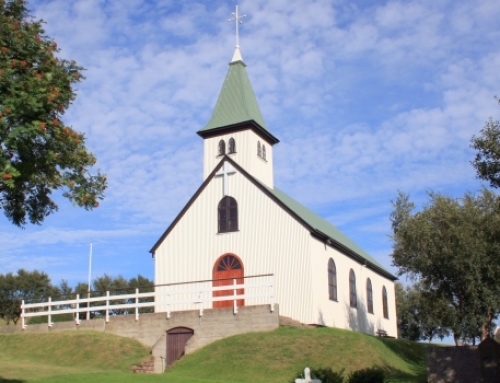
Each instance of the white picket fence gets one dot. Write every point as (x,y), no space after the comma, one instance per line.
(166,298)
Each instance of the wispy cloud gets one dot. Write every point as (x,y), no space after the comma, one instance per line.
(366,100)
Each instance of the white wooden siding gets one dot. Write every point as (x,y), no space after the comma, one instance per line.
(269,240)
(245,156)
(340,314)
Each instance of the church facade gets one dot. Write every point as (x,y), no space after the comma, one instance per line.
(239,224)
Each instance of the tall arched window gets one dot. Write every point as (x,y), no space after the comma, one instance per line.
(222,148)
(353,299)
(259,150)
(264,152)
(232,145)
(384,303)
(228,215)
(369,295)
(332,280)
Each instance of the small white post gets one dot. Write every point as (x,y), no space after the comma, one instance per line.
(272,293)
(49,310)
(200,302)
(23,320)
(77,318)
(107,306)
(136,305)
(235,310)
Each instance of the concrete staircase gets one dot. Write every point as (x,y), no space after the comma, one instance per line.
(289,322)
(146,367)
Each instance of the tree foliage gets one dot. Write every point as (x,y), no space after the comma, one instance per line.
(38,152)
(420,315)
(35,286)
(452,248)
(487,160)
(30,286)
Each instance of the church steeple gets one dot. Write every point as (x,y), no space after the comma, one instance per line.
(237,123)
(237,102)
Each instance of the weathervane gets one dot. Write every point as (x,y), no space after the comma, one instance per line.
(237,19)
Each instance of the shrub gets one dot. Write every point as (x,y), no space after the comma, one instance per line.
(367,375)
(326,375)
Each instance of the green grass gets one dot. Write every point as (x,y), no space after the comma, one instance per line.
(86,356)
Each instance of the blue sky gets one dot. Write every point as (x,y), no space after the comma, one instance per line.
(366,100)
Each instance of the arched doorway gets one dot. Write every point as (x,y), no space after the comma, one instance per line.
(226,269)
(176,341)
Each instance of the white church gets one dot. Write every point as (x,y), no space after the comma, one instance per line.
(239,225)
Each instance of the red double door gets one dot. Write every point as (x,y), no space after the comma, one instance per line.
(227,269)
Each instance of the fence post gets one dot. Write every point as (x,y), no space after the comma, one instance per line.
(235,310)
(167,301)
(272,293)
(50,315)
(107,306)
(23,321)
(77,319)
(200,302)
(136,305)
(88,306)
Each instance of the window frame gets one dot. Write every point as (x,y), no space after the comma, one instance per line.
(259,149)
(369,296)
(232,146)
(332,280)
(353,297)
(227,215)
(222,148)
(385,303)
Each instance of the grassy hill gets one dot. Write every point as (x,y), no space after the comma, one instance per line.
(275,356)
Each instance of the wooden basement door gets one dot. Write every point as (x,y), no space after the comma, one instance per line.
(176,343)
(227,268)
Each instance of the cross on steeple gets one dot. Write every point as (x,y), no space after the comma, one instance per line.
(224,173)
(237,19)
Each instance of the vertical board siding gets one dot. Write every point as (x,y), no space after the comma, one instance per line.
(265,230)
(245,156)
(340,314)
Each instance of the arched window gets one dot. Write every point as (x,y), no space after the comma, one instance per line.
(332,280)
(384,303)
(353,300)
(228,215)
(369,295)
(259,150)
(264,151)
(232,145)
(222,148)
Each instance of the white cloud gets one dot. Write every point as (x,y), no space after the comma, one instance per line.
(366,99)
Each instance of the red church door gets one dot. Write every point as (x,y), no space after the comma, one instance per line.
(226,269)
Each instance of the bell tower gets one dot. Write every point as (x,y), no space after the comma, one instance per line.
(237,128)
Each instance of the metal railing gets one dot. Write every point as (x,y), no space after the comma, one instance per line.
(167,298)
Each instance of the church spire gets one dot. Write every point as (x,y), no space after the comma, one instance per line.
(237,103)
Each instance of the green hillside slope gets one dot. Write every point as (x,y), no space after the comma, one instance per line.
(86,356)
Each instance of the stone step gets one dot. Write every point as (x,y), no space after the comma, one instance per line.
(289,322)
(146,367)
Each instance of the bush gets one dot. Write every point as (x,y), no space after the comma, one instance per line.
(326,375)
(367,375)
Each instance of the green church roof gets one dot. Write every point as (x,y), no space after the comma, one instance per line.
(237,102)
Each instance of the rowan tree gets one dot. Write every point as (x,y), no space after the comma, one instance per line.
(487,160)
(452,247)
(39,153)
